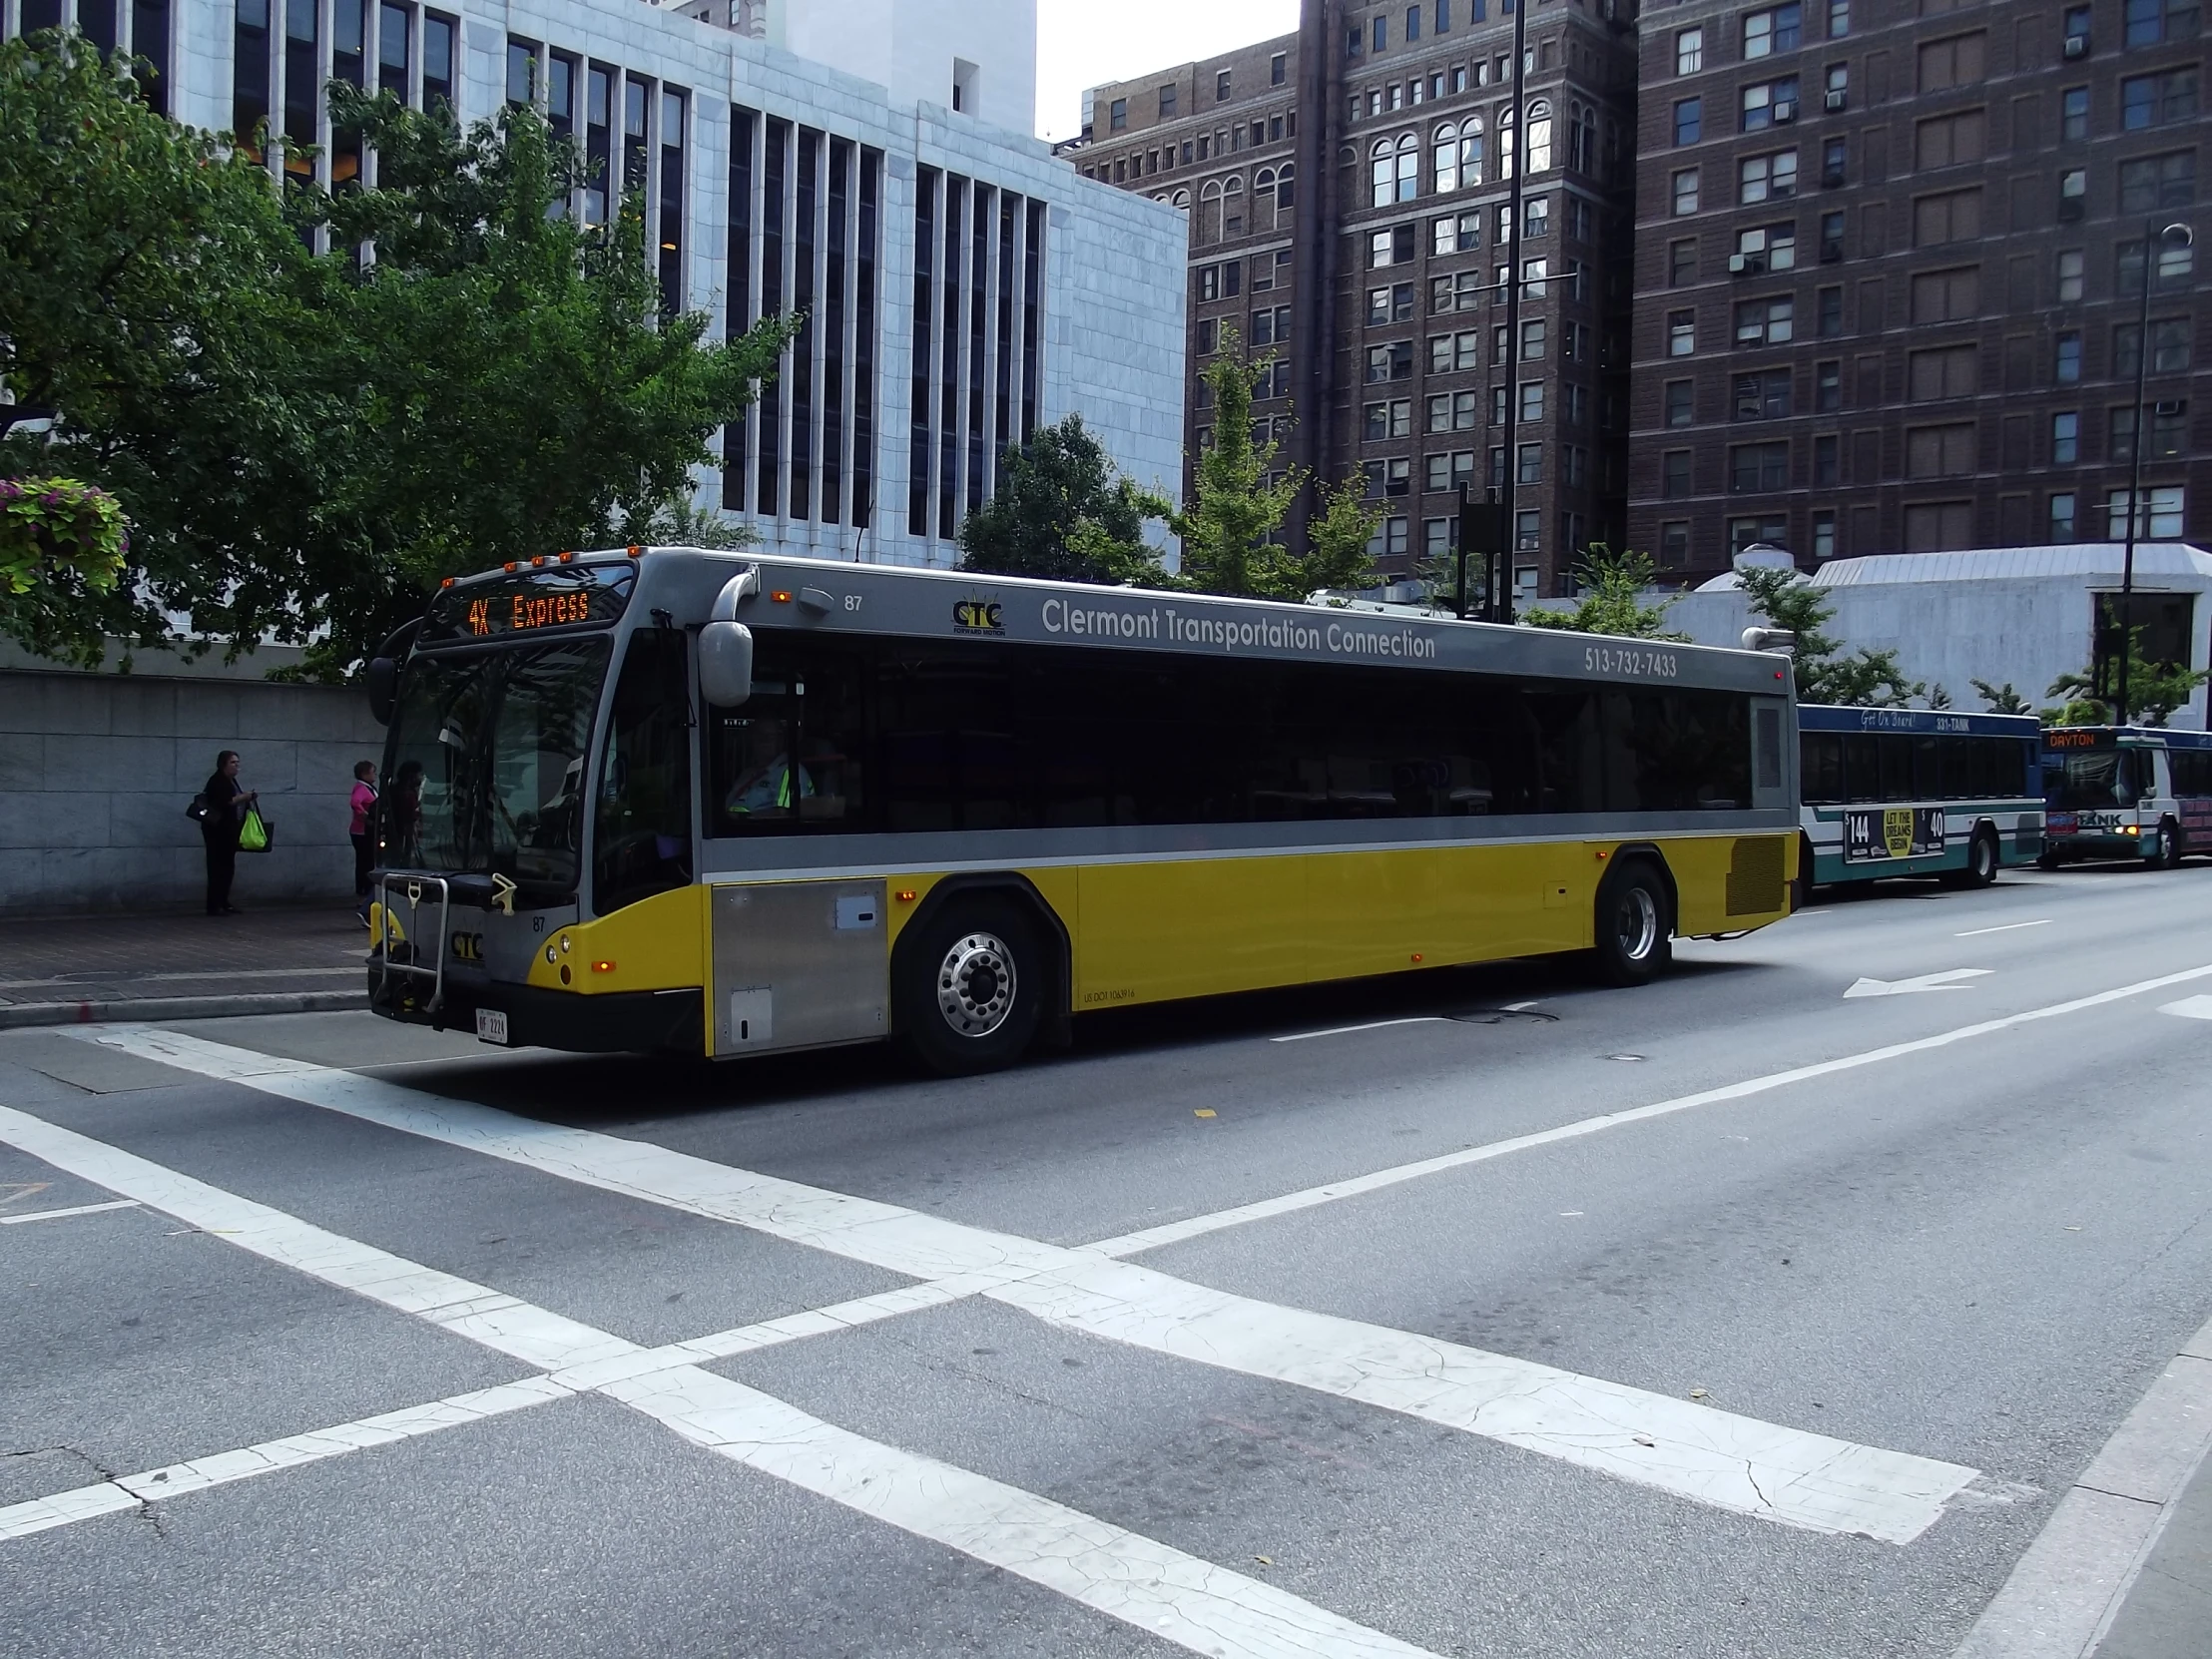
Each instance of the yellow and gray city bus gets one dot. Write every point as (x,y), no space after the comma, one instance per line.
(725,804)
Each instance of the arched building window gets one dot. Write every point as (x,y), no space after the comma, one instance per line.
(1539,135)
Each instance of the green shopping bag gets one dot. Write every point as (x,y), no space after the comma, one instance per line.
(254,832)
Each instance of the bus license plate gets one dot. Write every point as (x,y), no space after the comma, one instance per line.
(491,1025)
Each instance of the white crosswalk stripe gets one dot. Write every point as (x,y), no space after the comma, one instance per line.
(1179,1597)
(1775,1473)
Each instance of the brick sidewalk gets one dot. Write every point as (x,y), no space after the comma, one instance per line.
(52,971)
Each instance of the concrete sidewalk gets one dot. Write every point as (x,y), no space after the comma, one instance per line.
(2168,1613)
(67,970)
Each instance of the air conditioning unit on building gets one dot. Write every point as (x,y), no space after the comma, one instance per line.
(2077,46)
(2168,406)
(1835,102)
(1785,112)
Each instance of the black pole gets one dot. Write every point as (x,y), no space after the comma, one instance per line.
(2152,241)
(1460,592)
(1501,596)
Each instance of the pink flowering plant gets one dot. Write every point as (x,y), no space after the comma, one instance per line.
(49,525)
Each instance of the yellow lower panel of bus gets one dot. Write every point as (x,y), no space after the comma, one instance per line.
(1151,932)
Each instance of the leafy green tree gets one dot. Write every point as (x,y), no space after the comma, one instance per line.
(154,298)
(682,524)
(1825,673)
(521,386)
(1231,528)
(1061,510)
(306,444)
(1612,599)
(2155,689)
(2002,700)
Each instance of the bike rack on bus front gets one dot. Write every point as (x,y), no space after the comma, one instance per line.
(415,887)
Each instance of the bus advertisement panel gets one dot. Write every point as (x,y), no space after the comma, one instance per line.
(676,798)
(1916,792)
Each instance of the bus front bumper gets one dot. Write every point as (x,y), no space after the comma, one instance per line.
(613,1022)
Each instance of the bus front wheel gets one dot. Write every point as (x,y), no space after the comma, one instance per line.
(1635,925)
(2169,846)
(970,990)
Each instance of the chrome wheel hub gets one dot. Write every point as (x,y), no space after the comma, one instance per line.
(975,984)
(1636,923)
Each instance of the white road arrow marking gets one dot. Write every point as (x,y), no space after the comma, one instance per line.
(2190,1007)
(1949,980)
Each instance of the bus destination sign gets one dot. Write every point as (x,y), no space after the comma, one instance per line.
(529,601)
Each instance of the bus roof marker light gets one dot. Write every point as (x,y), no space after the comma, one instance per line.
(448,582)
(510,567)
(537,561)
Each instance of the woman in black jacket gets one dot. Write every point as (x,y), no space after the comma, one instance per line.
(226,804)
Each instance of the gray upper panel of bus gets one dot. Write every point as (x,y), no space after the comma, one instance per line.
(884,600)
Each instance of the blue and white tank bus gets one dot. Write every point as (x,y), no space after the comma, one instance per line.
(2126,791)
(1916,792)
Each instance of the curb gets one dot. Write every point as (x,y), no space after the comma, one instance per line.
(19,1016)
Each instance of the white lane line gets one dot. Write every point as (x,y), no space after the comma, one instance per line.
(489,1317)
(2190,1007)
(2008,928)
(1174,1232)
(40,1514)
(1737,1463)
(73,1210)
(2063,1594)
(1371,1025)
(1181,1598)
(1676,1445)
(126,977)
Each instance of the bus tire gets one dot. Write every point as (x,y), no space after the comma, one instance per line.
(1635,925)
(2169,844)
(969,992)
(2046,861)
(1983,861)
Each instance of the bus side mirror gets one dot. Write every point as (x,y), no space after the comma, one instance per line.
(383,688)
(1771,639)
(726,664)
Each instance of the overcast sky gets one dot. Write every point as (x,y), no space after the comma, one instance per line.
(1083,43)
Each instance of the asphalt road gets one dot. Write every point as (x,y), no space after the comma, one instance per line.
(1800,1364)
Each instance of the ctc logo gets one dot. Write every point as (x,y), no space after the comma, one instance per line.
(468,947)
(979,615)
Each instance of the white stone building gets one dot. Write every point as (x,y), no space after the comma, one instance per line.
(869,163)
(2018,615)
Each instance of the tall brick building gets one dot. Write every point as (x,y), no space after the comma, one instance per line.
(1888,277)
(1348,189)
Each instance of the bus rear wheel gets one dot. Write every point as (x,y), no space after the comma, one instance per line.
(1981,862)
(968,991)
(1635,925)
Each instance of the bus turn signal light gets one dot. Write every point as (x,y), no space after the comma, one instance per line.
(782,596)
(603,967)
(906,895)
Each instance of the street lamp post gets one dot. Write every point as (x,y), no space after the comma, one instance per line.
(2172,235)
(1501,599)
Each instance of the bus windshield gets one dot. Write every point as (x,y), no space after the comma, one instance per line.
(2088,778)
(486,763)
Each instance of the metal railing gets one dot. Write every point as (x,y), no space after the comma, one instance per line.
(411,970)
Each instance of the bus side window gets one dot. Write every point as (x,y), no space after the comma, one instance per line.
(1862,767)
(644,840)
(1821,767)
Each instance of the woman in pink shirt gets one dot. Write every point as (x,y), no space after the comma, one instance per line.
(365,803)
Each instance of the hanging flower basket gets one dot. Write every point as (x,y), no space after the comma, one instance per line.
(54,524)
